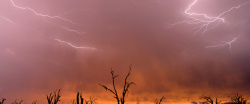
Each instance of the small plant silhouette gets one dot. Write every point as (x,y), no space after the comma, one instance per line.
(2,101)
(90,101)
(238,99)
(54,98)
(210,100)
(159,101)
(15,102)
(125,87)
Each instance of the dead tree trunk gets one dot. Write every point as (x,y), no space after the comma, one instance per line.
(125,87)
(79,98)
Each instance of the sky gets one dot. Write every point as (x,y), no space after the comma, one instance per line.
(72,45)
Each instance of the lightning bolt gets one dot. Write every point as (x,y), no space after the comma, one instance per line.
(223,44)
(207,22)
(48,16)
(7,19)
(73,46)
(52,23)
(71,30)
(43,15)
(65,28)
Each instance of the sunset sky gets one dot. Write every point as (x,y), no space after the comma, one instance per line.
(71,45)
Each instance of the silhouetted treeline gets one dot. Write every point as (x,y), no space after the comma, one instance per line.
(236,99)
(54,98)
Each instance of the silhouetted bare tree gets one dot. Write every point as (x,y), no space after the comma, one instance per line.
(15,102)
(2,101)
(159,101)
(125,87)
(238,99)
(210,100)
(54,98)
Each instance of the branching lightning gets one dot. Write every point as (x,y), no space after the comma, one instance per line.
(48,16)
(207,22)
(223,44)
(45,17)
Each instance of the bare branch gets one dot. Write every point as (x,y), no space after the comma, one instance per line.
(208,99)
(112,91)
(2,101)
(159,101)
(57,95)
(49,98)
(113,80)
(238,99)
(125,87)
(55,98)
(106,88)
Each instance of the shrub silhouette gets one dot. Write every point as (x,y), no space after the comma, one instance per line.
(54,98)
(91,100)
(238,99)
(2,101)
(125,87)
(210,100)
(159,101)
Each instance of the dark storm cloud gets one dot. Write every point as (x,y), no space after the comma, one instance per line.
(169,62)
